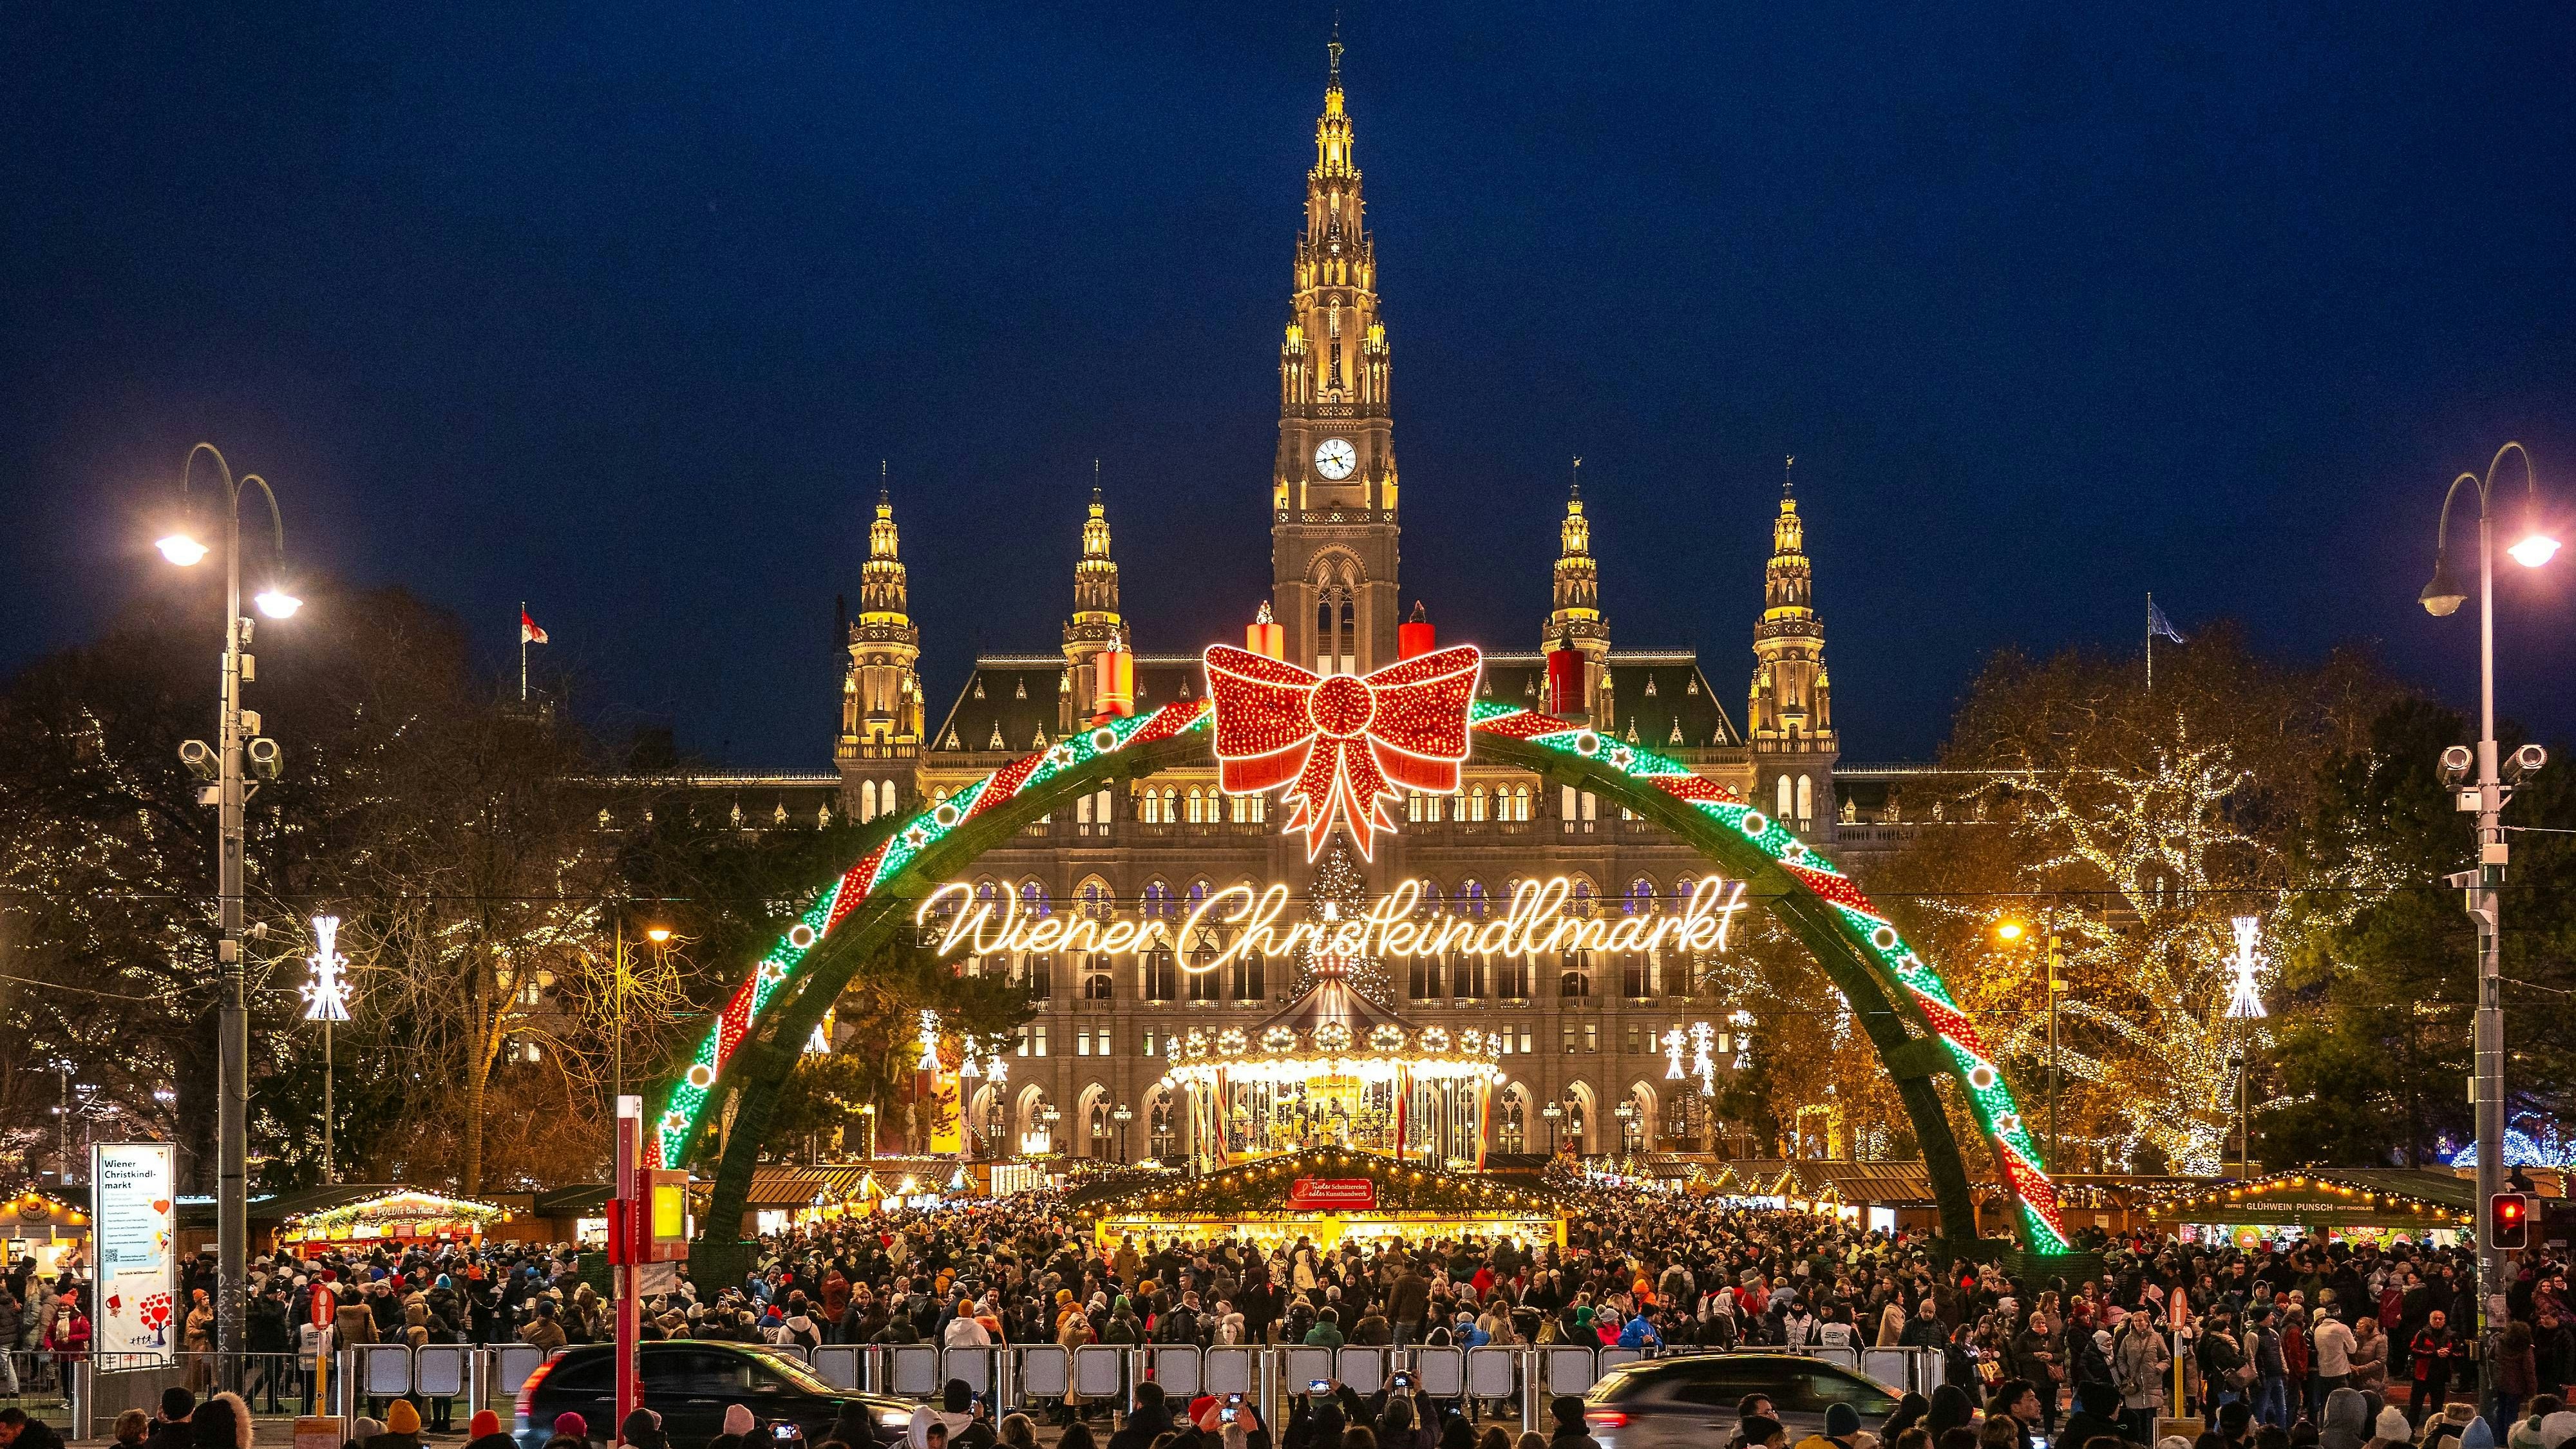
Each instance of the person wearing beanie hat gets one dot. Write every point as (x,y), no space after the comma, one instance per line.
(2391,1428)
(484,1431)
(2478,1435)
(1567,1411)
(402,1428)
(572,1426)
(1842,1422)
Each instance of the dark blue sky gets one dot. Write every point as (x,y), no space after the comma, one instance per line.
(616,307)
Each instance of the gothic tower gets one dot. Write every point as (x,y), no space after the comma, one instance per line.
(1790,714)
(881,693)
(1332,490)
(1577,618)
(1095,620)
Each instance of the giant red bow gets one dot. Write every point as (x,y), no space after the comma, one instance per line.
(1340,743)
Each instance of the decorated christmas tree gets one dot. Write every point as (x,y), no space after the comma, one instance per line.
(1339,893)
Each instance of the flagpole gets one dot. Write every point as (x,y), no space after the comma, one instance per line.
(2151,650)
(523,653)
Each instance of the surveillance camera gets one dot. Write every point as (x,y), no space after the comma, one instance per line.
(199,757)
(2524,761)
(2457,761)
(266,760)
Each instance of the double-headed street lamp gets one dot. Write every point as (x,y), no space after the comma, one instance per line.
(1122,1116)
(220,772)
(1554,1114)
(2481,784)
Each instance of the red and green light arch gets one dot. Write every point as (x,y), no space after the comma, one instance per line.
(1896,995)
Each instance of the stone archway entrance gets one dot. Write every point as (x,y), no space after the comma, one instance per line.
(1895,995)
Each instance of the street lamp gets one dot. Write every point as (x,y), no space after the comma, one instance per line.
(2011,932)
(1629,1132)
(1553,1113)
(2485,796)
(966,1074)
(1122,1116)
(220,772)
(1048,1116)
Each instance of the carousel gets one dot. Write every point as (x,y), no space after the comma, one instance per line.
(1334,1069)
(1323,1195)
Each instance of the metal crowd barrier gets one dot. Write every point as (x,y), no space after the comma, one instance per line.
(1036,1377)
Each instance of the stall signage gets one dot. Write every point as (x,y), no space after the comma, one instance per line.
(1334,1194)
(136,1269)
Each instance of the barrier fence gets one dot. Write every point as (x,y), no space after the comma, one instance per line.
(1487,1382)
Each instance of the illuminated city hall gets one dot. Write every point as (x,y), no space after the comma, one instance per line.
(1585,1029)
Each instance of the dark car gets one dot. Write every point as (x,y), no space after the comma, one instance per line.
(691,1385)
(1663,1403)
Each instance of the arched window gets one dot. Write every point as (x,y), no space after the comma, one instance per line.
(1198,894)
(1514,1131)
(1197,810)
(1247,977)
(1038,976)
(1471,899)
(885,797)
(1806,800)
(1424,978)
(1475,802)
(1521,802)
(1640,899)
(1580,906)
(1098,984)
(1100,1129)
(1787,794)
(1034,899)
(1161,974)
(1158,901)
(1096,900)
(1202,976)
(1159,1127)
(867,799)
(1576,979)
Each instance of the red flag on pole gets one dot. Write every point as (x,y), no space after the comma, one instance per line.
(529,633)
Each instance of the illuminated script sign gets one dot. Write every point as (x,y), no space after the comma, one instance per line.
(1538,920)
(1332,1194)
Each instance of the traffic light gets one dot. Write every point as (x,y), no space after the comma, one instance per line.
(2509,1221)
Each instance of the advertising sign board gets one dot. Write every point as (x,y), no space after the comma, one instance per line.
(135,1217)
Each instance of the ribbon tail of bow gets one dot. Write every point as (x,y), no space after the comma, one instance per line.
(1341,781)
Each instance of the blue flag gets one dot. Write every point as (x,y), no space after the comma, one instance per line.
(2157,623)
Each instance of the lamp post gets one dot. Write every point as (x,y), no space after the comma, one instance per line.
(1048,1116)
(966,1074)
(2011,932)
(1554,1114)
(1629,1131)
(2485,796)
(1123,1115)
(220,774)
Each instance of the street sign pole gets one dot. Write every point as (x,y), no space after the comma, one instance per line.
(626,1227)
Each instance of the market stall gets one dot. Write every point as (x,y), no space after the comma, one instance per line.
(2380,1205)
(401,1217)
(47,1229)
(1326,1195)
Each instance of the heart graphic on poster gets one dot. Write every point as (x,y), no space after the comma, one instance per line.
(161,1205)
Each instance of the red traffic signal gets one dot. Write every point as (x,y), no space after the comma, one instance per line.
(2509,1221)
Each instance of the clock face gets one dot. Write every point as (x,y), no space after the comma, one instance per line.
(1335,458)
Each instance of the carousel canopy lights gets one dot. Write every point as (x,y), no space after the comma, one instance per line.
(1535,923)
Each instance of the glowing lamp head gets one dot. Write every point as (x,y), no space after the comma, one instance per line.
(180,549)
(2536,548)
(657,934)
(277,603)
(2010,931)
(2444,595)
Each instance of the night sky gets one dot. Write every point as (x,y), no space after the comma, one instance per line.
(615,308)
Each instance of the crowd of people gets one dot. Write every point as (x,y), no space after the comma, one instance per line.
(2265,1336)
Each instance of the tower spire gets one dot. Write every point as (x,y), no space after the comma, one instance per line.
(885,493)
(1788,476)
(881,688)
(1578,478)
(1333,49)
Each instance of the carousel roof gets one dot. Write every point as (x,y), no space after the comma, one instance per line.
(1332,1029)
(1331,999)
(1263,1187)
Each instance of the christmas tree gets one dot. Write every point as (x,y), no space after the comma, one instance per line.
(1339,893)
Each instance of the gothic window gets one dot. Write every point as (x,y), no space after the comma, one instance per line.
(1512,978)
(1806,800)
(1198,814)
(1162,974)
(1425,978)
(1521,802)
(1034,899)
(867,799)
(1038,975)
(1096,900)
(1097,982)
(1471,898)
(1580,904)
(1160,1127)
(1512,1135)
(1576,979)
(1469,976)
(1475,803)
(1247,978)
(1202,977)
(1641,898)
(1198,894)
(1787,794)
(1158,901)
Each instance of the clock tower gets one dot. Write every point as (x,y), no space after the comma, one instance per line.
(1332,489)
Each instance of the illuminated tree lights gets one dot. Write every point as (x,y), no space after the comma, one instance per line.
(1990,1100)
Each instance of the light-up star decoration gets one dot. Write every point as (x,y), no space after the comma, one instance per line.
(1704,1066)
(2246,1003)
(1341,744)
(326,996)
(1672,1041)
(929,1042)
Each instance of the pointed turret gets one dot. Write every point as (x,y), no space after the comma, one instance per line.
(881,691)
(1790,710)
(1096,621)
(1576,621)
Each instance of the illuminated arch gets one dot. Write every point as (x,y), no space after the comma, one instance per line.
(1896,997)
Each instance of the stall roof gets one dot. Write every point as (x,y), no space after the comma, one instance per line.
(2393,1196)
